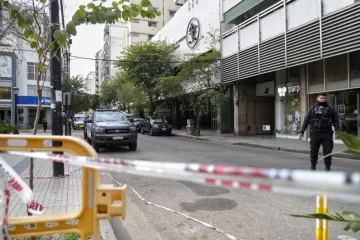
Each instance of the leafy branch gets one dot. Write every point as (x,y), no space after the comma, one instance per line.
(353,219)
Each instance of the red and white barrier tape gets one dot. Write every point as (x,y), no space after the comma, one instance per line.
(341,185)
(21,188)
(5,201)
(176,212)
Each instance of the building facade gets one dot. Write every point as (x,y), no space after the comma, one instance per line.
(17,68)
(98,63)
(120,35)
(204,17)
(90,83)
(277,55)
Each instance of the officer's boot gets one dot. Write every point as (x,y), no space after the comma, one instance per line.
(313,167)
(327,168)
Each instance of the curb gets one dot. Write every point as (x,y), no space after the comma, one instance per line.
(106,231)
(338,155)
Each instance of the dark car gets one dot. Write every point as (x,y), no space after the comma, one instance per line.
(156,125)
(138,122)
(110,128)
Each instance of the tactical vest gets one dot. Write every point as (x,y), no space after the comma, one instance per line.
(321,117)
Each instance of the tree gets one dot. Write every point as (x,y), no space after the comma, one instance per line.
(144,64)
(33,25)
(79,98)
(195,84)
(120,91)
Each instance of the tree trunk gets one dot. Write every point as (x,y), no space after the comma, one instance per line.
(198,119)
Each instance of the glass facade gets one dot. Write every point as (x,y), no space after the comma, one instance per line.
(287,103)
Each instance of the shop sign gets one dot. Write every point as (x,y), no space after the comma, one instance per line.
(292,89)
(33,100)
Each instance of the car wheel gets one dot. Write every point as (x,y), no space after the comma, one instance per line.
(133,146)
(169,134)
(94,145)
(142,130)
(151,133)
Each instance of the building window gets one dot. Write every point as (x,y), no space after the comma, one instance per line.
(336,72)
(150,37)
(46,92)
(287,103)
(31,69)
(152,24)
(355,69)
(31,72)
(5,93)
(172,13)
(135,20)
(316,76)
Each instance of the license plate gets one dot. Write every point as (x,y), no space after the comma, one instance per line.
(118,138)
(164,129)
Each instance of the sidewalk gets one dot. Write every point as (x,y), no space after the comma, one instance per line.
(62,195)
(280,144)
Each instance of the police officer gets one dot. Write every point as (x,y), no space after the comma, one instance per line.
(321,117)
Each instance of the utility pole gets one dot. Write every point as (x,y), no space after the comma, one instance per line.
(56,94)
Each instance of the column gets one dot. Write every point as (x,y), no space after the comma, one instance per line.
(303,97)
(280,82)
(236,109)
(26,117)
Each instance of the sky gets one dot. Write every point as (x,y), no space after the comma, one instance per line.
(86,43)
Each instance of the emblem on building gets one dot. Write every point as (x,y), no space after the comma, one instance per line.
(193,33)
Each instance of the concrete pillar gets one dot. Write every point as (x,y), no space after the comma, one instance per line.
(280,81)
(236,108)
(303,97)
(26,117)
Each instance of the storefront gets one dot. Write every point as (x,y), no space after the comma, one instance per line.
(339,76)
(27,107)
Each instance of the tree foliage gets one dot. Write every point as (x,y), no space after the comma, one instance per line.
(196,84)
(120,91)
(81,101)
(144,64)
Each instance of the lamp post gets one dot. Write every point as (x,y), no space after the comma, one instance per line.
(15,92)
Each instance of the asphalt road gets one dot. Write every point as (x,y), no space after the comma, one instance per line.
(242,213)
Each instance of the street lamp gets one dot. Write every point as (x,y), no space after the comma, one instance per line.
(15,92)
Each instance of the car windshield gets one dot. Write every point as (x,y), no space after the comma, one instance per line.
(78,119)
(158,120)
(110,117)
(138,119)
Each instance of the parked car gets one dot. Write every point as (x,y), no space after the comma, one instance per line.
(110,128)
(78,121)
(138,122)
(156,125)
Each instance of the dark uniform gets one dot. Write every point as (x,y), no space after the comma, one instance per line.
(321,117)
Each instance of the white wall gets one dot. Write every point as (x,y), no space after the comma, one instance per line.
(206,11)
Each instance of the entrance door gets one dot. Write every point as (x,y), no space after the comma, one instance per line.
(251,117)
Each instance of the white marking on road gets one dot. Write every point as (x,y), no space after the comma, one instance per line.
(344,237)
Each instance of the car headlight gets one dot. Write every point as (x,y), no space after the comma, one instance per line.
(132,129)
(99,129)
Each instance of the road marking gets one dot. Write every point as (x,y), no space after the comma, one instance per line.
(344,237)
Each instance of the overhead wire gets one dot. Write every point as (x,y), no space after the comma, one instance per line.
(129,61)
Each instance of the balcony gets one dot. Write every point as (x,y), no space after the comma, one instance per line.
(290,34)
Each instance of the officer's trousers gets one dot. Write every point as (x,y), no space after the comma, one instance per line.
(327,144)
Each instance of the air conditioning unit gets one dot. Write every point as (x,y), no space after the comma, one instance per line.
(180,2)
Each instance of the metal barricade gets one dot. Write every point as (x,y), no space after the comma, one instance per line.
(99,201)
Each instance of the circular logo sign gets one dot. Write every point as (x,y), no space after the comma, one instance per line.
(193,33)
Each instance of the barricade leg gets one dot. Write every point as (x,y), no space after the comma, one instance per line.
(99,201)
(321,225)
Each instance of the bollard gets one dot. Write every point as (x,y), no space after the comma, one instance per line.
(321,224)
